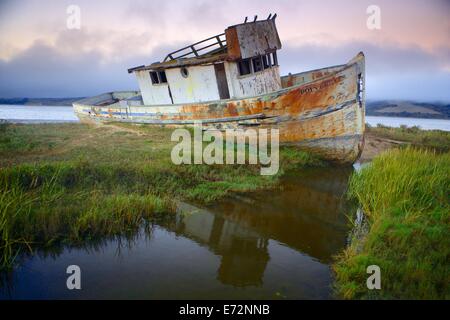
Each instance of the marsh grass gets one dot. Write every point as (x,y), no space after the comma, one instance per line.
(44,205)
(405,196)
(70,183)
(432,139)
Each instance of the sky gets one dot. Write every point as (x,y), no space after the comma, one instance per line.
(407,57)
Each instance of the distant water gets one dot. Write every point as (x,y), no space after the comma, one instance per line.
(44,114)
(425,124)
(37,114)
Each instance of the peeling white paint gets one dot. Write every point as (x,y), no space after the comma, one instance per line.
(152,94)
(257,38)
(200,85)
(250,85)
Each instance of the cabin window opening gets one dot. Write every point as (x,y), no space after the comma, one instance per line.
(244,67)
(158,77)
(162,77)
(154,77)
(274,59)
(266,61)
(184,72)
(257,64)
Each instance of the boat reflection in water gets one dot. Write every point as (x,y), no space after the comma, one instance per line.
(262,245)
(307,214)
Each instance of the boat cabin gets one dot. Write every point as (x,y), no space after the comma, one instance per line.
(241,62)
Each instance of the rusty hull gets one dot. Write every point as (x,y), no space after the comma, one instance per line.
(322,111)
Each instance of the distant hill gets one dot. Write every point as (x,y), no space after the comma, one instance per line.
(40,101)
(408,109)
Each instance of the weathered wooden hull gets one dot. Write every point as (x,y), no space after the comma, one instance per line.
(321,111)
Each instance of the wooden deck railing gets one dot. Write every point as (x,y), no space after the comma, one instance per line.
(220,42)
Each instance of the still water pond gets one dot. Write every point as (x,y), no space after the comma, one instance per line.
(264,245)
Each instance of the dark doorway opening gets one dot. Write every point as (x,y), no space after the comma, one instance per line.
(222,83)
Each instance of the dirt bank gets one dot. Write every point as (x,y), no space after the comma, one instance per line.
(374,145)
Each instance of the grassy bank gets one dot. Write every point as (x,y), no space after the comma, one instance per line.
(432,139)
(405,196)
(65,183)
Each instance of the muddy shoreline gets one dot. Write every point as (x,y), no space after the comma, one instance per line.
(375,144)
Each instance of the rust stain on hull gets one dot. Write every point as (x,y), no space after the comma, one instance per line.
(325,114)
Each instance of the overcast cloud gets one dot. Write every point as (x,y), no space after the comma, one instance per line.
(409,58)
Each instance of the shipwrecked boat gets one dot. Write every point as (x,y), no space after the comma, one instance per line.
(232,80)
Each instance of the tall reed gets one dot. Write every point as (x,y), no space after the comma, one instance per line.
(405,196)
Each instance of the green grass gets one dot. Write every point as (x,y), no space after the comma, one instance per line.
(433,139)
(68,183)
(405,196)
